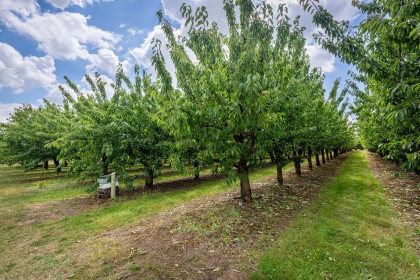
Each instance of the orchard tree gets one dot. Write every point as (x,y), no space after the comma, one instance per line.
(384,47)
(232,85)
(25,137)
(143,139)
(92,140)
(115,132)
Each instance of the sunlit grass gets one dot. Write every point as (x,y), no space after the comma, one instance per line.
(351,232)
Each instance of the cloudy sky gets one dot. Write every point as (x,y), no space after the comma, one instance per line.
(41,41)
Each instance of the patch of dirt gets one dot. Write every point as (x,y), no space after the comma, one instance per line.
(403,189)
(58,209)
(214,237)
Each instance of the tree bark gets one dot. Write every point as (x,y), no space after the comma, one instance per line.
(328,155)
(196,170)
(105,163)
(243,172)
(46,165)
(331,155)
(318,163)
(279,173)
(56,164)
(272,158)
(310,158)
(298,170)
(323,156)
(335,153)
(149,178)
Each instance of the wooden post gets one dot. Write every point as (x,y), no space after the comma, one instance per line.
(113,188)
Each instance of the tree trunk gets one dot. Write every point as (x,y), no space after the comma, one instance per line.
(243,172)
(331,155)
(279,173)
(46,165)
(323,156)
(66,163)
(272,158)
(149,178)
(56,164)
(318,163)
(328,155)
(105,163)
(105,169)
(335,153)
(298,170)
(310,158)
(196,170)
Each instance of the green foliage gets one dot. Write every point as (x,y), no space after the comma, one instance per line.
(248,93)
(117,132)
(25,137)
(350,232)
(385,48)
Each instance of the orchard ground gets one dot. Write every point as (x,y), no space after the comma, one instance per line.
(188,229)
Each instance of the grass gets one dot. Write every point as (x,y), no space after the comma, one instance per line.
(350,232)
(37,249)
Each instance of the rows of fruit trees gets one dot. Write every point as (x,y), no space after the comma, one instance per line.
(239,97)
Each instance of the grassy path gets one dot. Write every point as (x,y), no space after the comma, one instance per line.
(350,232)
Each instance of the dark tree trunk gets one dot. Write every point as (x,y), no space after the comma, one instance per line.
(149,178)
(243,172)
(318,163)
(323,156)
(331,155)
(105,163)
(328,155)
(310,158)
(105,169)
(272,158)
(66,163)
(196,170)
(335,153)
(279,173)
(46,165)
(298,170)
(56,164)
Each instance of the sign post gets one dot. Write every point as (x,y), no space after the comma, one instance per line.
(113,188)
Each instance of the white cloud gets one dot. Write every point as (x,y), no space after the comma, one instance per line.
(21,8)
(133,31)
(63,35)
(62,4)
(6,109)
(144,53)
(105,60)
(24,73)
(321,58)
(341,9)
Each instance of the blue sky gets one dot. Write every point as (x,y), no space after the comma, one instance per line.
(42,41)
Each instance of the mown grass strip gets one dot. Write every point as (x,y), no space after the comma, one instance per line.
(350,232)
(121,213)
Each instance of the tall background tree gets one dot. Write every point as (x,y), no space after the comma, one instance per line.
(385,48)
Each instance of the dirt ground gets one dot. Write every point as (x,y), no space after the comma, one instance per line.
(403,191)
(54,210)
(214,237)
